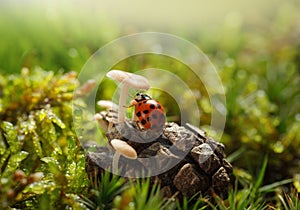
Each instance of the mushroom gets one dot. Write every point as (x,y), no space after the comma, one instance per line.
(101,122)
(127,80)
(108,105)
(122,148)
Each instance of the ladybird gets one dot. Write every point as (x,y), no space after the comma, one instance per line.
(148,112)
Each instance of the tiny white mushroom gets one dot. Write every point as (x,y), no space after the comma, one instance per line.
(122,148)
(98,117)
(101,122)
(106,119)
(108,105)
(127,80)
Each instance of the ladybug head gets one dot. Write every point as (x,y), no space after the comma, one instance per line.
(141,97)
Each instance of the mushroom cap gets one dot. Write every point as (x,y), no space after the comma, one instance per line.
(98,117)
(123,148)
(133,80)
(108,105)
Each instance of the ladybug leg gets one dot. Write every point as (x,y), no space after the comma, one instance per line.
(129,106)
(138,125)
(136,121)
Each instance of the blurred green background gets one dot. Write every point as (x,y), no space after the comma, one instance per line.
(63,34)
(254,45)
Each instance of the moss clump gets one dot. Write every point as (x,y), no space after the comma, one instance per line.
(41,161)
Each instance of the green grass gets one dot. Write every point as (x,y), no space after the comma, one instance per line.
(258,65)
(113,192)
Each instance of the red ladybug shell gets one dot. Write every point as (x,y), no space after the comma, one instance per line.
(150,113)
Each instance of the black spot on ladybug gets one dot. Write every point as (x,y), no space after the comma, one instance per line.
(138,114)
(140,104)
(146,111)
(143,121)
(152,106)
(158,106)
(144,102)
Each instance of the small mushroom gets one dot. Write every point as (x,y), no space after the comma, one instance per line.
(106,119)
(108,105)
(122,148)
(101,122)
(127,80)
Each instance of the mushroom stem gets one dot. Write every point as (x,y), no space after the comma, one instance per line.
(127,80)
(115,163)
(121,148)
(122,103)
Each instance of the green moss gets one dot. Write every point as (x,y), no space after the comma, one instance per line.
(259,67)
(37,138)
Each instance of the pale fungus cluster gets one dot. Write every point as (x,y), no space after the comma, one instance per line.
(126,80)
